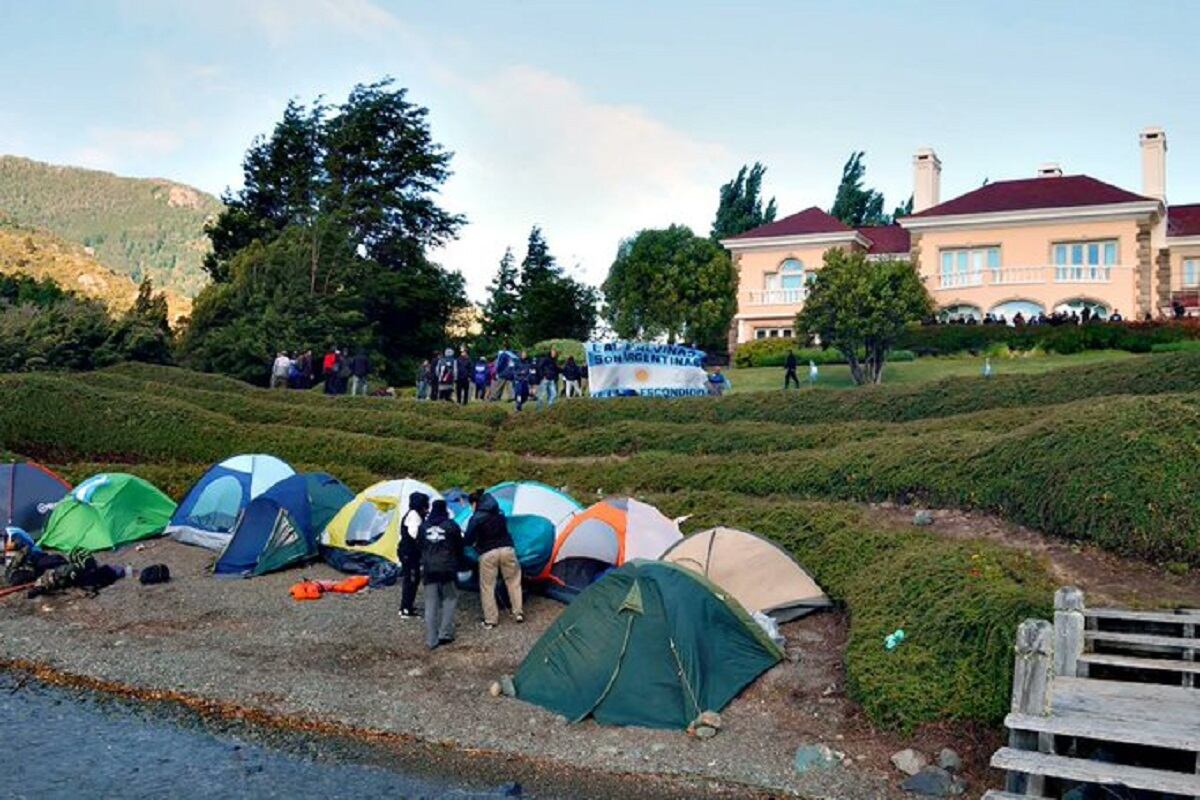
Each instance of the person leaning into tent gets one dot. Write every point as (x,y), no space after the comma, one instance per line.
(441,546)
(409,552)
(488,533)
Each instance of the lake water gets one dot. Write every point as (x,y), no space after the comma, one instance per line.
(68,744)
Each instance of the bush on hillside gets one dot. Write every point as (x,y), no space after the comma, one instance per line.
(1136,337)
(565,348)
(773,353)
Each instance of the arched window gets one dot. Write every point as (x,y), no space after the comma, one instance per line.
(960,312)
(791,274)
(1026,308)
(1098,310)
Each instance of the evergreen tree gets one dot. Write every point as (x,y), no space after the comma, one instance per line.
(503,303)
(552,304)
(855,205)
(903,210)
(740,207)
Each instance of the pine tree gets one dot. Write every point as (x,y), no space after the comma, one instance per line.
(552,305)
(854,204)
(503,303)
(903,210)
(740,207)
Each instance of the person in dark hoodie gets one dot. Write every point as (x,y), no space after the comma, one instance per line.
(441,552)
(488,533)
(409,552)
(462,377)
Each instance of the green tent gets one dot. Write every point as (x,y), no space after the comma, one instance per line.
(105,512)
(649,644)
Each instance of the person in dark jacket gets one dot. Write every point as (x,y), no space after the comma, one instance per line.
(441,552)
(789,374)
(462,377)
(409,552)
(360,368)
(480,378)
(524,376)
(571,375)
(548,370)
(488,533)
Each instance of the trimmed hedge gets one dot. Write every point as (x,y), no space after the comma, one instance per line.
(959,602)
(1136,337)
(1152,374)
(773,353)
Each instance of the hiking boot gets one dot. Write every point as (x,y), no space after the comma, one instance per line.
(487,626)
(519,617)
(448,640)
(409,614)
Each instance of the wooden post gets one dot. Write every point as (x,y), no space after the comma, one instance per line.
(1068,631)
(1033,671)
(1189,678)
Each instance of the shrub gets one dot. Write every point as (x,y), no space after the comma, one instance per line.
(773,353)
(565,347)
(1136,337)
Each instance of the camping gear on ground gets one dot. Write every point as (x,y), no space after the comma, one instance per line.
(650,644)
(106,511)
(759,573)
(211,507)
(383,574)
(526,498)
(603,536)
(28,493)
(313,590)
(281,526)
(27,561)
(81,571)
(370,523)
(155,573)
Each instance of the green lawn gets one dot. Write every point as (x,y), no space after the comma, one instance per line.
(757,379)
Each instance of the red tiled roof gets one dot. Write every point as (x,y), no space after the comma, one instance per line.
(886,238)
(809,221)
(1183,220)
(1029,193)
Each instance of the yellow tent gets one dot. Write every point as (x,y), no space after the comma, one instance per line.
(370,523)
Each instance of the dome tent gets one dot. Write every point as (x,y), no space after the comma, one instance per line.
(649,644)
(281,526)
(528,498)
(211,507)
(605,535)
(28,493)
(105,512)
(370,523)
(757,572)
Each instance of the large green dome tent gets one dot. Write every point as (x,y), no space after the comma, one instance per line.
(649,644)
(106,511)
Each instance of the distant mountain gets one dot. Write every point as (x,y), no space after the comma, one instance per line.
(136,226)
(41,254)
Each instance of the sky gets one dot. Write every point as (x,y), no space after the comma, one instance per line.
(596,120)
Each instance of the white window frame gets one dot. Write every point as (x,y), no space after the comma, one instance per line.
(962,262)
(1084,259)
(1191,265)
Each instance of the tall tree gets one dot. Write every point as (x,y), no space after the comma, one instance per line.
(670,282)
(854,204)
(500,312)
(553,305)
(740,207)
(903,210)
(860,308)
(339,202)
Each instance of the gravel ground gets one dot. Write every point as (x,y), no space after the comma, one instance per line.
(350,660)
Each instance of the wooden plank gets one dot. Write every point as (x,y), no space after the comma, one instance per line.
(1176,642)
(1133,662)
(1168,617)
(994,794)
(1091,726)
(1097,772)
(1120,711)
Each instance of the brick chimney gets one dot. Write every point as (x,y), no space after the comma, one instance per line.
(927,180)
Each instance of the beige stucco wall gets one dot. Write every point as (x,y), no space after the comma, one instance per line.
(1030,246)
(753,267)
(1178,254)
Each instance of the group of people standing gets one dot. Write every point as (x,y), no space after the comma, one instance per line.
(457,378)
(431,555)
(341,372)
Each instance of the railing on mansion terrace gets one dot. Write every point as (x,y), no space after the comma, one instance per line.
(776,297)
(1016,276)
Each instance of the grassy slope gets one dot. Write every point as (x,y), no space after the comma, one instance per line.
(135,226)
(1077,452)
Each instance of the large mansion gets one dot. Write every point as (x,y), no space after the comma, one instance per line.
(1043,244)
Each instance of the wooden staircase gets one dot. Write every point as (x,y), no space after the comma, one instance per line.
(1105,697)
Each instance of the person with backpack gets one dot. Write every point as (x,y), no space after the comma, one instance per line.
(480,378)
(280,369)
(503,373)
(360,368)
(462,377)
(487,532)
(523,374)
(409,552)
(441,553)
(548,371)
(444,372)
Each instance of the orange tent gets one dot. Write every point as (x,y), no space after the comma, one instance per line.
(603,536)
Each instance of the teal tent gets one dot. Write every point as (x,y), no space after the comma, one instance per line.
(649,644)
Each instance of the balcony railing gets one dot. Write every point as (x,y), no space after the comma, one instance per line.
(1015,276)
(776,297)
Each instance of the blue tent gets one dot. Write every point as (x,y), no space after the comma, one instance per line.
(211,507)
(28,493)
(282,526)
(534,511)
